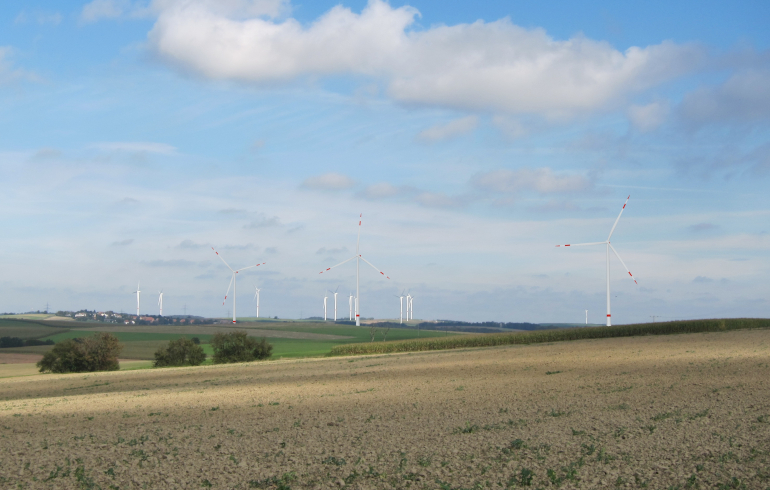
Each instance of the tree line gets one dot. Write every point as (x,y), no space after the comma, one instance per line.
(100,352)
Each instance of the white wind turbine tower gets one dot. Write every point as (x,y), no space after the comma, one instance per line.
(408,302)
(609,246)
(232,281)
(325,298)
(137,297)
(350,304)
(410,308)
(401,300)
(160,301)
(256,296)
(358,258)
(335,302)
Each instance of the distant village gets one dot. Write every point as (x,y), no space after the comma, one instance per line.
(129,319)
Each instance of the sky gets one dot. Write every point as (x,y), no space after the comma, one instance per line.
(135,135)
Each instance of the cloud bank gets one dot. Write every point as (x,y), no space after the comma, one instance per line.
(490,66)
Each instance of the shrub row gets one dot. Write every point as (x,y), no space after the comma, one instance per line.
(488,340)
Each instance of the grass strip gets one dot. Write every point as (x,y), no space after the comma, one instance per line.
(541,336)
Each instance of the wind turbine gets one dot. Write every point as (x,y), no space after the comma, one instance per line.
(358,258)
(411,308)
(160,301)
(232,281)
(350,304)
(609,246)
(325,298)
(137,297)
(256,296)
(401,299)
(335,302)
(408,302)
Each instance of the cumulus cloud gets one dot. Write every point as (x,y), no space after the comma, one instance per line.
(744,97)
(541,180)
(329,182)
(449,130)
(136,147)
(331,251)
(496,66)
(702,279)
(98,10)
(187,243)
(264,222)
(648,117)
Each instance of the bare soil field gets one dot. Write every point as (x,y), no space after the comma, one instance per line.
(212,329)
(658,412)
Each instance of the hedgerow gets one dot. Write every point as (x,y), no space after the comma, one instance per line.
(489,340)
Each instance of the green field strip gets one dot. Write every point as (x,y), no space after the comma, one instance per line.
(129,336)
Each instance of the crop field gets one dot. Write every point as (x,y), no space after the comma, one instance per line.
(289,339)
(660,412)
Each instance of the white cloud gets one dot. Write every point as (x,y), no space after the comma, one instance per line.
(449,130)
(329,182)
(136,147)
(494,66)
(648,117)
(745,96)
(384,190)
(40,17)
(7,72)
(440,200)
(541,180)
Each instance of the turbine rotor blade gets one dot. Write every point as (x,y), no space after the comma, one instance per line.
(223,260)
(581,244)
(228,289)
(616,221)
(249,267)
(360,218)
(624,264)
(373,267)
(332,267)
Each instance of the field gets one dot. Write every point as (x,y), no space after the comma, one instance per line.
(659,412)
(289,339)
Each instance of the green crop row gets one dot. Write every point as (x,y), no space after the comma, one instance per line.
(540,336)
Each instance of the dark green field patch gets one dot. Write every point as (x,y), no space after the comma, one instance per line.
(128,336)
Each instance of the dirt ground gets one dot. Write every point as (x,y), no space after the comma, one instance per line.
(680,411)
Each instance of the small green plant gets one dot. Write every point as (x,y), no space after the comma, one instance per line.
(332,460)
(553,372)
(468,429)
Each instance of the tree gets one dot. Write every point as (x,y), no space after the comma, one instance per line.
(179,352)
(238,347)
(97,353)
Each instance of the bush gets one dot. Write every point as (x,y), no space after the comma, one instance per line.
(179,352)
(31,342)
(196,340)
(238,347)
(97,353)
(11,342)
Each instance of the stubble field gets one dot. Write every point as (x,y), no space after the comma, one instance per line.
(679,411)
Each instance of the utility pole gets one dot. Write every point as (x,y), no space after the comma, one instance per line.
(654,317)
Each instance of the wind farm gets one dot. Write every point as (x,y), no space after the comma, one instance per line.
(157,140)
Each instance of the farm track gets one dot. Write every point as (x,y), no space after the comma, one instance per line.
(640,412)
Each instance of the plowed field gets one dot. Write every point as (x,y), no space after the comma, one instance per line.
(680,411)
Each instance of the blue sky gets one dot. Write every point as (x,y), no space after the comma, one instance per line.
(136,135)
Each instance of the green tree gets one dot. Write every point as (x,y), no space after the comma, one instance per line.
(179,352)
(238,347)
(97,353)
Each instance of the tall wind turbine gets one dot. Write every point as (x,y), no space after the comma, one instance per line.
(609,246)
(232,281)
(160,301)
(408,302)
(358,258)
(325,298)
(256,296)
(410,310)
(137,297)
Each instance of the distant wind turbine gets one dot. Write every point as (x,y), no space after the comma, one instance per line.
(137,297)
(335,302)
(256,296)
(609,246)
(160,302)
(325,298)
(358,258)
(401,300)
(232,281)
(350,304)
